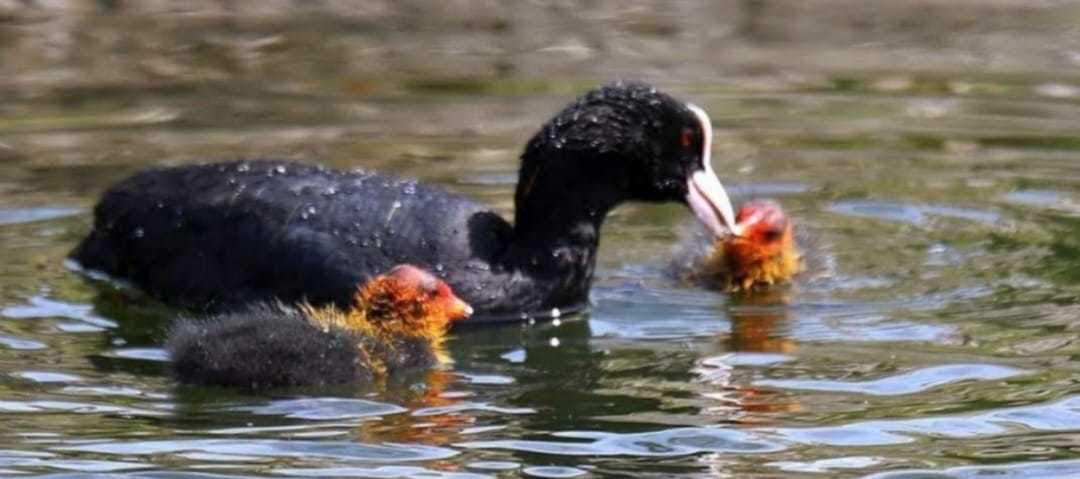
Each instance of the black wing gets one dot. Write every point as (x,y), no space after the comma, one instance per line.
(221,235)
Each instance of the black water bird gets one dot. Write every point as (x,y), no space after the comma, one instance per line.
(217,236)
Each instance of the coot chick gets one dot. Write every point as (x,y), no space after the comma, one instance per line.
(398,322)
(764,254)
(217,236)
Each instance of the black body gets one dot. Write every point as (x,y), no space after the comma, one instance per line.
(268,347)
(218,236)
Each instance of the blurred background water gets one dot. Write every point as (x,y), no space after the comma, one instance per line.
(928,151)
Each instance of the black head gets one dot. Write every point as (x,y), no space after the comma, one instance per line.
(621,142)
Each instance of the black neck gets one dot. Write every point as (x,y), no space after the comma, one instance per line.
(557,222)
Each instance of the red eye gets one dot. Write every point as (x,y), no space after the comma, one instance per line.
(685,139)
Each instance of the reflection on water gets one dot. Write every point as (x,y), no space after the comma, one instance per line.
(912,214)
(1056,469)
(906,383)
(930,160)
(759,322)
(760,335)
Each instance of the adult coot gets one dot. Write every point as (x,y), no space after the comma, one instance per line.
(398,322)
(221,235)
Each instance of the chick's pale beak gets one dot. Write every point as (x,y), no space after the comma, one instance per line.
(459,309)
(705,194)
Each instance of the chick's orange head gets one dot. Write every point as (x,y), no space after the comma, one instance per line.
(763,222)
(765,252)
(412,302)
(433,292)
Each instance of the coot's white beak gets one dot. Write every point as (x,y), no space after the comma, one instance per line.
(706,196)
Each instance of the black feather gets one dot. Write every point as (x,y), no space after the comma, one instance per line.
(267,347)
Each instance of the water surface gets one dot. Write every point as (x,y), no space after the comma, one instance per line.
(933,335)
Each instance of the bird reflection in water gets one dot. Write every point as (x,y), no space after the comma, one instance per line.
(759,336)
(432,418)
(759,323)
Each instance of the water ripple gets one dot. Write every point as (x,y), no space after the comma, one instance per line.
(826,465)
(768,189)
(553,472)
(273,448)
(388,472)
(1063,415)
(470,406)
(666,443)
(20,343)
(140,475)
(30,215)
(1069,469)
(918,215)
(620,312)
(112,390)
(72,407)
(487,379)
(860,326)
(47,377)
(642,313)
(325,409)
(1035,197)
(157,355)
(42,307)
(729,360)
(905,383)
